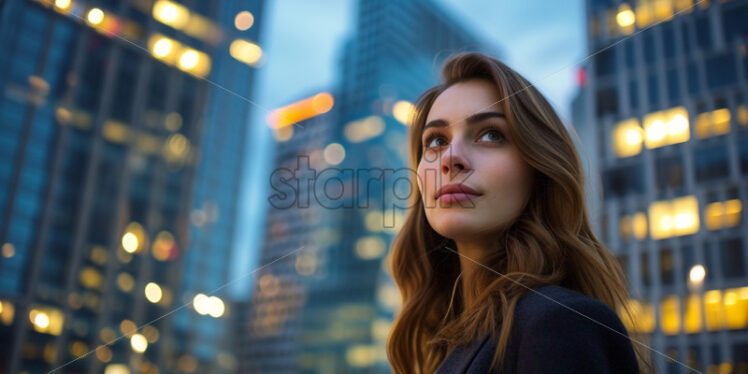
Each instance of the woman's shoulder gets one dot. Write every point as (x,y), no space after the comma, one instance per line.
(555,329)
(558,302)
(559,328)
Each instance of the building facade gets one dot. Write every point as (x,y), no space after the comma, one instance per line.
(667,91)
(113,125)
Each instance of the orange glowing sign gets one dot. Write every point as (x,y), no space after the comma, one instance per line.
(301,110)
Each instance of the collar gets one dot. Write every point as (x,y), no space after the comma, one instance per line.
(460,357)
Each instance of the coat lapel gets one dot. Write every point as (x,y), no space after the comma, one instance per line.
(460,358)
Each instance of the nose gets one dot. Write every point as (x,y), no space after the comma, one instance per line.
(453,161)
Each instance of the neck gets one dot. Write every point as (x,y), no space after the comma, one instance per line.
(471,255)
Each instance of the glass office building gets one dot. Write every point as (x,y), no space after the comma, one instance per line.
(118,173)
(666,89)
(328,307)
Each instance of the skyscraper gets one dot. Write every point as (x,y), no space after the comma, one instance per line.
(327,307)
(667,83)
(111,134)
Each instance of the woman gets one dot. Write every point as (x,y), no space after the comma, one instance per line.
(497,265)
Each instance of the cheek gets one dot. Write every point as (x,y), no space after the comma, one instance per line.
(511,176)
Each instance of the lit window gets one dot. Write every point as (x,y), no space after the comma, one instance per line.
(674,218)
(627,138)
(692,316)
(644,13)
(639,223)
(663,10)
(670,315)
(171,13)
(666,127)
(713,310)
(736,308)
(46,320)
(625,19)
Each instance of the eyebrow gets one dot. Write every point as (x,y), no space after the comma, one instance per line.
(477,117)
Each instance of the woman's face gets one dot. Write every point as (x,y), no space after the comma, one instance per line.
(466,140)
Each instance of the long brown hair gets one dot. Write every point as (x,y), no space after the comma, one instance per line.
(550,242)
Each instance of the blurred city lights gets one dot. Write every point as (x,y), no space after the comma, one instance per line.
(139,343)
(41,320)
(48,320)
(627,138)
(8,250)
(174,53)
(195,62)
(201,304)
(217,307)
(151,333)
(364,129)
(370,247)
(625,17)
(208,305)
(306,264)
(180,18)
(153,292)
(284,133)
(164,248)
(162,47)
(403,111)
(269,285)
(697,274)
(244,20)
(677,217)
(171,13)
(127,327)
(103,353)
(245,51)
(188,60)
(63,5)
(301,110)
(125,282)
(95,16)
(666,127)
(90,277)
(173,121)
(712,123)
(130,242)
(117,369)
(334,153)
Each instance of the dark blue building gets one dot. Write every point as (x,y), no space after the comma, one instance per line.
(120,149)
(666,107)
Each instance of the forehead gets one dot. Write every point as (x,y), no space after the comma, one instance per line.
(463,99)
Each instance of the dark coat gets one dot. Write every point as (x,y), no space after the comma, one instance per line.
(549,338)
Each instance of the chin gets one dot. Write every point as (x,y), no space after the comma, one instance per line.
(456,226)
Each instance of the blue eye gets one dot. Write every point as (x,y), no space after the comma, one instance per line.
(497,135)
(494,136)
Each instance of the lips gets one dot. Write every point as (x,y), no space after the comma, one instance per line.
(457,188)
